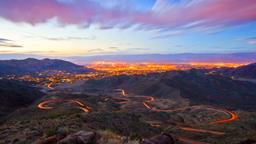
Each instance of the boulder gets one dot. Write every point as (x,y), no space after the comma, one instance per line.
(163,138)
(249,141)
(50,140)
(80,137)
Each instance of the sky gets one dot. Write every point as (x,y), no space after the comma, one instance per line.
(65,28)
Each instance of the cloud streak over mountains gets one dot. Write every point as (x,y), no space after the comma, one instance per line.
(252,40)
(8,43)
(68,38)
(164,15)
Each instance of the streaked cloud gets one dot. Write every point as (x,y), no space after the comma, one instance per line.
(96,50)
(6,51)
(68,38)
(8,43)
(4,40)
(252,41)
(139,49)
(163,15)
(113,48)
(168,35)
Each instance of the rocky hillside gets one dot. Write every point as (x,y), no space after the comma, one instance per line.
(248,71)
(194,85)
(214,89)
(15,95)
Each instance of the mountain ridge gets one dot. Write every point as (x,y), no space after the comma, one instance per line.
(32,66)
(171,58)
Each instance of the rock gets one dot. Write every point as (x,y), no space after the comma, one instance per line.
(163,138)
(30,133)
(80,137)
(249,141)
(63,131)
(50,140)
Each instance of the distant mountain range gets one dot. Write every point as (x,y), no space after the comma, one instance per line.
(158,58)
(31,66)
(171,58)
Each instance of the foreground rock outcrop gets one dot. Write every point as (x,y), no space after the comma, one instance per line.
(163,138)
(80,137)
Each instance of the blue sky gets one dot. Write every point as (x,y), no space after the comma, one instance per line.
(62,28)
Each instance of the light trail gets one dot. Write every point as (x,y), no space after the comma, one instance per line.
(123,92)
(50,85)
(80,105)
(151,99)
(84,109)
(201,131)
(232,116)
(42,105)
(155,125)
(148,99)
(75,101)
(146,105)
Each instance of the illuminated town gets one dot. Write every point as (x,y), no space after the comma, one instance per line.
(109,69)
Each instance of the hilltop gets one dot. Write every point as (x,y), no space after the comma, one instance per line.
(32,66)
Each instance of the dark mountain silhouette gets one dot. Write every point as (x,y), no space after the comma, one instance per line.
(15,95)
(214,89)
(247,71)
(31,66)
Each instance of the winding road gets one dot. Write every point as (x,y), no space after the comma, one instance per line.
(232,116)
(146,103)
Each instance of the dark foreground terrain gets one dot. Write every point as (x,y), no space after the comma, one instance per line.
(16,95)
(177,107)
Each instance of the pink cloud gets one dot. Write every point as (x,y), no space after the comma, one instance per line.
(205,13)
(37,11)
(208,13)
